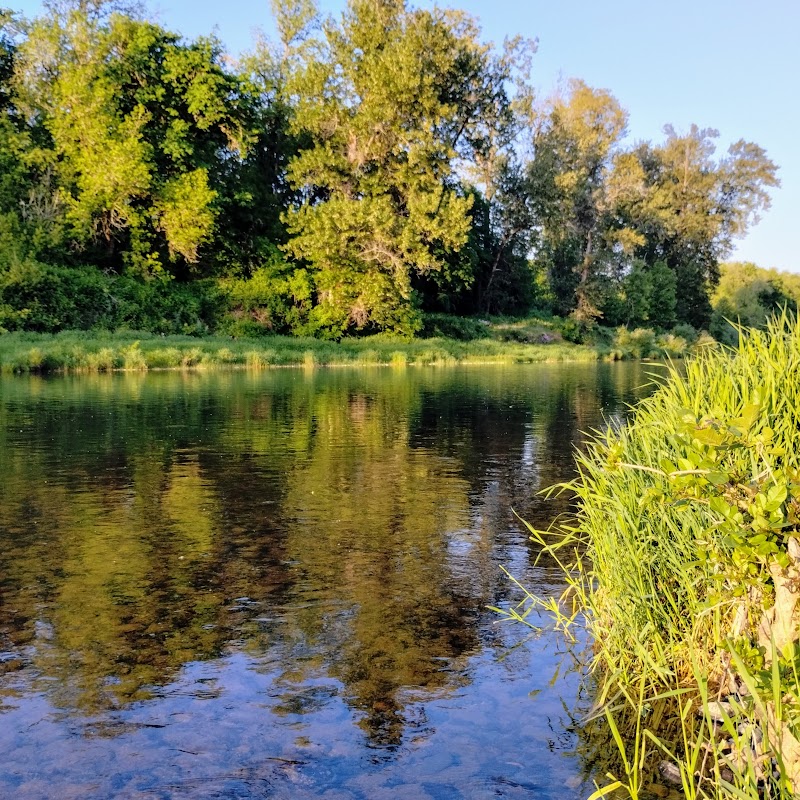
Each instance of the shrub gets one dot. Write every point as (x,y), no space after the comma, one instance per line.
(164,305)
(39,297)
(448,326)
(671,346)
(572,331)
(638,343)
(276,298)
(46,298)
(685,331)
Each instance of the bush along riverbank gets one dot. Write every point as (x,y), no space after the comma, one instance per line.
(685,568)
(448,340)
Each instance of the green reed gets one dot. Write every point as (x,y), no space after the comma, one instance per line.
(683,562)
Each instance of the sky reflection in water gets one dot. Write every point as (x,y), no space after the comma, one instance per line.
(275,584)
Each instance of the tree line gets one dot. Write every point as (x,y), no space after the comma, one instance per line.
(749,296)
(360,171)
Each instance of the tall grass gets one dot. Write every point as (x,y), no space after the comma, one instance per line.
(683,563)
(135,350)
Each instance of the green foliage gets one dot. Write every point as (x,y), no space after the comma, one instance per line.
(648,343)
(185,214)
(638,290)
(651,222)
(573,150)
(663,296)
(41,297)
(140,126)
(165,306)
(685,331)
(400,164)
(687,523)
(639,343)
(491,273)
(725,431)
(629,302)
(380,200)
(451,327)
(576,330)
(534,330)
(24,351)
(276,298)
(750,296)
(645,295)
(687,207)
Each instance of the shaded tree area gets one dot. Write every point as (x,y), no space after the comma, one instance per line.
(363,170)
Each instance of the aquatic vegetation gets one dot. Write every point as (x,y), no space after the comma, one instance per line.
(496,340)
(684,562)
(136,350)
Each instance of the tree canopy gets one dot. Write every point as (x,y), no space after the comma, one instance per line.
(368,167)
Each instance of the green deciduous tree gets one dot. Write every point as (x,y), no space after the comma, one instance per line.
(253,188)
(574,143)
(138,123)
(504,217)
(689,207)
(750,296)
(644,295)
(663,296)
(390,98)
(397,162)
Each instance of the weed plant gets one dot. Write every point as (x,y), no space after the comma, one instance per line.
(683,561)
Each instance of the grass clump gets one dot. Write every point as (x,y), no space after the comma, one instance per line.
(685,568)
(101,351)
(399,359)
(647,343)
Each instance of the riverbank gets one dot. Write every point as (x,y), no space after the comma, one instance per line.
(520,342)
(100,352)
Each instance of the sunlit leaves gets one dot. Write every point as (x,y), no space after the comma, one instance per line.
(389,97)
(185,212)
(138,121)
(573,146)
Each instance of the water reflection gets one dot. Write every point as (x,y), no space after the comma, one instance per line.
(218,566)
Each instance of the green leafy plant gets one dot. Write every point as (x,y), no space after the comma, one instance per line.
(684,562)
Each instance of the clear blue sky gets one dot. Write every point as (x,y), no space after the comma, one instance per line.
(733,65)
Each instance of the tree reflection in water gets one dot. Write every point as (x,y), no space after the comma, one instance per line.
(339,529)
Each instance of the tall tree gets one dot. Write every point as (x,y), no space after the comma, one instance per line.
(253,189)
(492,273)
(391,99)
(505,277)
(689,208)
(574,142)
(31,212)
(506,218)
(138,121)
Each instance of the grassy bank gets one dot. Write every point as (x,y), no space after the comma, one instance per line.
(82,351)
(685,567)
(446,340)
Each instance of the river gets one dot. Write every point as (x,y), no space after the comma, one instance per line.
(275,584)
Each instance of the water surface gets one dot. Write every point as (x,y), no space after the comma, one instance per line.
(245,585)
